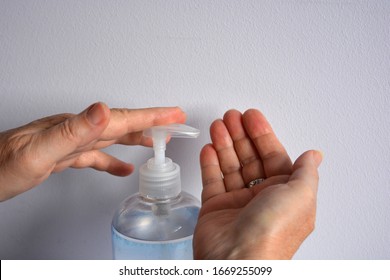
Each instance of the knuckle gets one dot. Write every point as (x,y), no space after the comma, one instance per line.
(69,132)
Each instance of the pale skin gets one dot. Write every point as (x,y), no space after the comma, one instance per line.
(29,154)
(267,221)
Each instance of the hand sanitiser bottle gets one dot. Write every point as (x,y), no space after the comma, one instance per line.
(159,221)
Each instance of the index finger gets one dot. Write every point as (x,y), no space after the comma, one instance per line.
(126,125)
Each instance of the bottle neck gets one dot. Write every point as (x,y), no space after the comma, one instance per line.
(160,200)
(159,183)
(161,207)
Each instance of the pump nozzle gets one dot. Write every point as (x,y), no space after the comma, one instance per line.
(159,135)
(160,177)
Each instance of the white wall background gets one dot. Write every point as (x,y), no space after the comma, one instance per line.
(319,70)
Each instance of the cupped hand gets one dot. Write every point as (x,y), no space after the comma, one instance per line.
(267,221)
(29,154)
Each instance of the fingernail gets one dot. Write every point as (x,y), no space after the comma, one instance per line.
(318,155)
(95,114)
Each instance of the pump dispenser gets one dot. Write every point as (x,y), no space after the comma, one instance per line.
(159,221)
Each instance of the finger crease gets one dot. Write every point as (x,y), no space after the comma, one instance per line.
(211,181)
(249,160)
(231,169)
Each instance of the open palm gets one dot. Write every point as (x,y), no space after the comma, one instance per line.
(269,220)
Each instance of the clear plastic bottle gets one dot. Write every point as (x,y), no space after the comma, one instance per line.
(159,221)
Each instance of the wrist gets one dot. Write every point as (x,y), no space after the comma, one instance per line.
(260,250)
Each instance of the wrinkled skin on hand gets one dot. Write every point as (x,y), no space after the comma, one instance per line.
(269,220)
(29,154)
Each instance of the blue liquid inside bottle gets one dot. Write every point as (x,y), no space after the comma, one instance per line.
(147,229)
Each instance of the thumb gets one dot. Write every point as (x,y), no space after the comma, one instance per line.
(305,170)
(74,133)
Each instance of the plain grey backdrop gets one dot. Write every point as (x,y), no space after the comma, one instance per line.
(319,70)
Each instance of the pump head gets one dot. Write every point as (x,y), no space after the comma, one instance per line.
(160,177)
(159,135)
